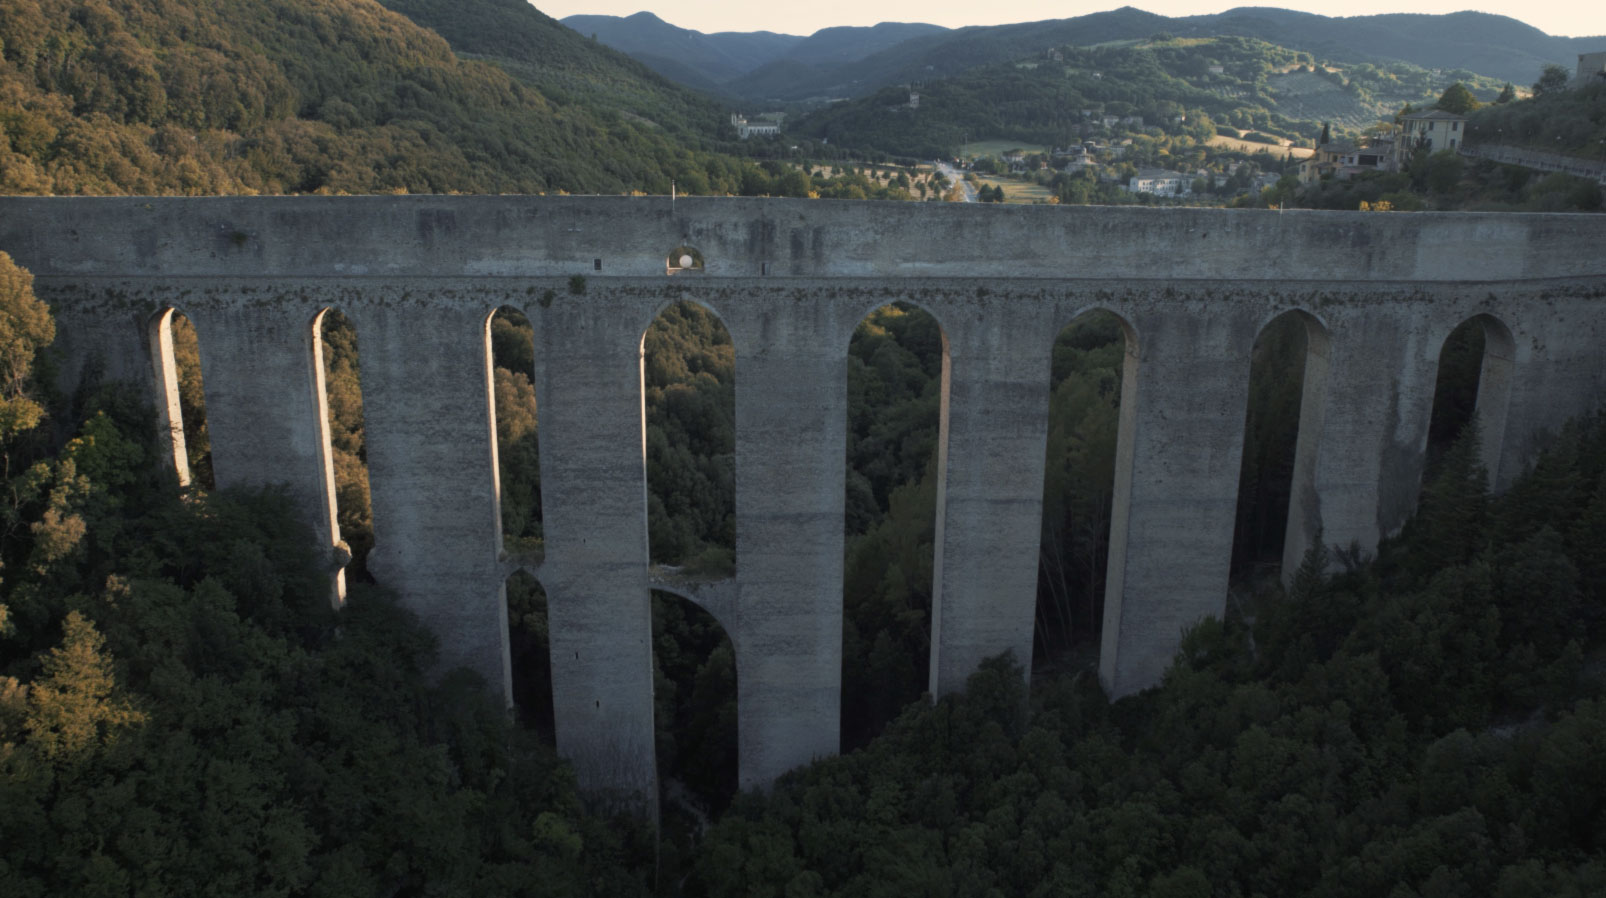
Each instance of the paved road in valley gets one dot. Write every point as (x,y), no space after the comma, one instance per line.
(957,177)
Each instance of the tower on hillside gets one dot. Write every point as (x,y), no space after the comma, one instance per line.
(1591,69)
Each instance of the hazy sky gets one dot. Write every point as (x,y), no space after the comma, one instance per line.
(1560,17)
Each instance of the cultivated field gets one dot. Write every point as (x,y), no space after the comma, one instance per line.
(1250,146)
(1024,192)
(998,148)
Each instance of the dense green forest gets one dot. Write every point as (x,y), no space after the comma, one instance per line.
(569,69)
(1430,723)
(1569,122)
(242,97)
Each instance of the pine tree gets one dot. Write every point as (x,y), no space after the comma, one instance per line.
(74,707)
(1449,524)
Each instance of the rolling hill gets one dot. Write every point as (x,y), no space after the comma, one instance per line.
(296,96)
(712,58)
(1493,46)
(567,67)
(1180,85)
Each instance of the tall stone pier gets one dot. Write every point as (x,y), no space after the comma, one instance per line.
(1193,288)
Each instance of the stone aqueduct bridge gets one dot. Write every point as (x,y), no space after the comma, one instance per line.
(419,277)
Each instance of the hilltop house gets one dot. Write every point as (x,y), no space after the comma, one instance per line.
(1342,160)
(1433,129)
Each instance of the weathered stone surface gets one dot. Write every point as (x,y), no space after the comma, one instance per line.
(419,275)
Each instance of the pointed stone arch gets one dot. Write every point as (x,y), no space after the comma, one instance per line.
(1277,514)
(1482,350)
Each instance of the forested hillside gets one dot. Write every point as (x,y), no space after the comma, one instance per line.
(570,70)
(1176,86)
(1496,47)
(243,96)
(1568,122)
(704,60)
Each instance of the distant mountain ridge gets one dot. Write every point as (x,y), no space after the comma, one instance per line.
(710,61)
(716,57)
(851,62)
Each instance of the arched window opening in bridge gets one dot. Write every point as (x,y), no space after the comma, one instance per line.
(1090,369)
(694,714)
(897,392)
(339,371)
(1474,382)
(530,654)
(517,432)
(688,374)
(181,397)
(1282,428)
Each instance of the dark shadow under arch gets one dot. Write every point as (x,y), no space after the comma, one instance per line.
(694,694)
(1092,372)
(1282,430)
(1473,380)
(529,653)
